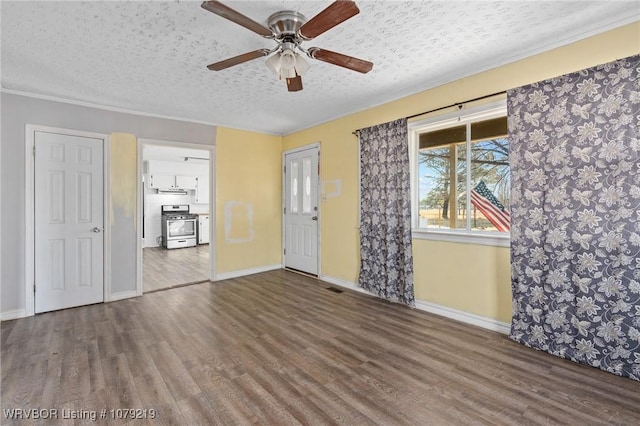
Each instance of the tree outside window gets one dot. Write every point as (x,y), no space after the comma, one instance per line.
(445,157)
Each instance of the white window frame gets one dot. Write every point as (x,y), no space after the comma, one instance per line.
(456,118)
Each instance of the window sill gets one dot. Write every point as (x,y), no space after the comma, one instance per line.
(484,239)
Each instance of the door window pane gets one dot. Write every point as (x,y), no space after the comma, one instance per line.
(306,177)
(294,186)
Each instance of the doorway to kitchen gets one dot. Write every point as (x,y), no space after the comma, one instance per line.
(176,214)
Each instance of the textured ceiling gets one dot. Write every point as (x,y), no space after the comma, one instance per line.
(151,57)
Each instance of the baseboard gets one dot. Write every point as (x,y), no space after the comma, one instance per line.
(21,313)
(14,314)
(454,314)
(343,283)
(122,295)
(243,272)
(466,317)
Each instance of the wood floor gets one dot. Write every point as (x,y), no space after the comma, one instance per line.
(163,268)
(279,348)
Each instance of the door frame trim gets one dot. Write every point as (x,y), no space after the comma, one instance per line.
(315,145)
(30,193)
(212,203)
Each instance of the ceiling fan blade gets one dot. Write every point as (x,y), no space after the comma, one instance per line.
(237,17)
(336,13)
(294,84)
(245,57)
(341,60)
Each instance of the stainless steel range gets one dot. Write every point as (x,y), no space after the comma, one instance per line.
(179,227)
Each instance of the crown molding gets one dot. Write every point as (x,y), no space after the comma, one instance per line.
(103,107)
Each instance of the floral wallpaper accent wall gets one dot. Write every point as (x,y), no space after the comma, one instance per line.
(575,237)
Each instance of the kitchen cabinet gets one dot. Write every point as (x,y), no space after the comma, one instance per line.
(186,182)
(162,181)
(202,190)
(203,229)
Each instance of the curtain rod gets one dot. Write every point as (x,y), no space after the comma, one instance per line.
(459,104)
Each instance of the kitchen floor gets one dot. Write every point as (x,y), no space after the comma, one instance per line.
(164,269)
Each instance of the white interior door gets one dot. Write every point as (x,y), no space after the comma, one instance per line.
(301,210)
(69,217)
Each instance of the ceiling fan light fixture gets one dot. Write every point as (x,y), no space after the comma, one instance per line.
(287,73)
(288,59)
(289,29)
(273,63)
(302,66)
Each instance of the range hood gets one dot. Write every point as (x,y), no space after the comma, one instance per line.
(172,191)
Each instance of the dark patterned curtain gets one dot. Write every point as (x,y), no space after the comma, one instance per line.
(386,260)
(575,197)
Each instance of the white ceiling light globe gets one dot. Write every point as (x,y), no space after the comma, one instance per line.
(273,63)
(302,66)
(287,59)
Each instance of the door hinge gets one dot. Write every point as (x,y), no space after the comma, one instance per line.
(34,288)
(285,251)
(285,169)
(34,151)
(285,210)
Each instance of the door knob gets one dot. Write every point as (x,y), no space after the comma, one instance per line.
(97,229)
(314,218)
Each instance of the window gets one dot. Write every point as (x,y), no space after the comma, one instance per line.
(461,174)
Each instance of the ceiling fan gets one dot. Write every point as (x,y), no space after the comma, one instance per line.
(289,29)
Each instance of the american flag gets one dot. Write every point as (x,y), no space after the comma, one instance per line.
(490,207)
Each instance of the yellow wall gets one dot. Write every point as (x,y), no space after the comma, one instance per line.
(468,277)
(124,180)
(482,285)
(248,200)
(123,164)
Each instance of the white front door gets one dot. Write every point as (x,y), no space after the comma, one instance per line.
(301,210)
(69,219)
